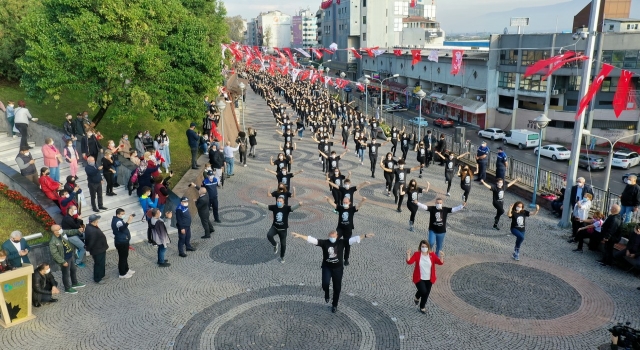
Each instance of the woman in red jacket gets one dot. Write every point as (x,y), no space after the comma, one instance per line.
(49,186)
(424,273)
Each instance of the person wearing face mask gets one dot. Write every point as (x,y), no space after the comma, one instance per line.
(4,263)
(253,142)
(229,158)
(211,184)
(424,272)
(216,158)
(578,191)
(438,222)
(345,221)
(338,179)
(62,252)
(388,165)
(71,156)
(441,145)
(44,286)
(17,249)
(27,166)
(630,198)
(324,147)
(280,223)
(281,162)
(465,175)
(160,235)
(501,163)
(347,190)
(282,192)
(450,165)
(374,148)
(430,144)
(69,133)
(482,158)
(421,156)
(21,119)
(498,198)
(94,182)
(78,127)
(96,245)
(203,205)
(72,221)
(412,191)
(108,172)
(395,138)
(283,176)
(344,127)
(147,141)
(139,145)
(333,160)
(183,223)
(288,149)
(405,139)
(517,213)
(400,180)
(332,261)
(49,186)
(90,146)
(611,234)
(124,146)
(580,214)
(11,114)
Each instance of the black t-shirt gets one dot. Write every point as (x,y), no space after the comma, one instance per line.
(333,162)
(413,194)
(450,165)
(281,164)
(374,125)
(390,163)
(405,141)
(518,221)
(325,147)
(287,151)
(395,135)
(347,193)
(332,252)
(337,180)
(498,193)
(284,179)
(438,219)
(345,216)
(280,216)
(288,137)
(285,195)
(422,152)
(401,174)
(373,148)
(465,180)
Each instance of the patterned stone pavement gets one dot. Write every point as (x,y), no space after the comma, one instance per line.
(233,293)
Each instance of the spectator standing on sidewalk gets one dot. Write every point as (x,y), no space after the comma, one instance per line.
(122,236)
(96,244)
(252,141)
(125,146)
(78,128)
(10,112)
(62,252)
(242,147)
(69,134)
(229,157)
(482,158)
(216,158)
(94,182)
(71,156)
(630,198)
(27,165)
(160,235)
(183,222)
(21,119)
(90,146)
(72,221)
(192,139)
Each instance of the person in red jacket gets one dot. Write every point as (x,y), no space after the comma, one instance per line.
(424,271)
(49,186)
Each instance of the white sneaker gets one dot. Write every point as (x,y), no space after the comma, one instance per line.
(130,272)
(128,275)
(245,165)
(448,194)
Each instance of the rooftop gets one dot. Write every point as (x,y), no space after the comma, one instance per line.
(622,19)
(417,19)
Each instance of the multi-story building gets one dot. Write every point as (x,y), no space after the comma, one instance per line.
(274,29)
(303,29)
(621,25)
(608,9)
(250,34)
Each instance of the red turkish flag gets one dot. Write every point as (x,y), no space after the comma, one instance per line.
(621,98)
(412,3)
(369,51)
(417,56)
(538,66)
(355,53)
(272,69)
(397,52)
(593,89)
(330,52)
(456,61)
(360,86)
(317,53)
(561,64)
(288,52)
(314,78)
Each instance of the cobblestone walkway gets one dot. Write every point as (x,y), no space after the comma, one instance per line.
(232,293)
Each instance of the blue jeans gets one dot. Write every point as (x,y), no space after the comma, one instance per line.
(161,250)
(437,239)
(626,212)
(361,154)
(229,165)
(519,237)
(54,173)
(79,244)
(300,132)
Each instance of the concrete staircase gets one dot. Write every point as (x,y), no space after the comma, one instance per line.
(9,148)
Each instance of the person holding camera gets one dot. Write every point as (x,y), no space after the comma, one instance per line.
(122,236)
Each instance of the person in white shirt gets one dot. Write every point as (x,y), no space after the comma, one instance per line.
(229,157)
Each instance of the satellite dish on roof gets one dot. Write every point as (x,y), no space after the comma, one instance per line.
(506,30)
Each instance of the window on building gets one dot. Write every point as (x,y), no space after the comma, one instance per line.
(507,80)
(364,3)
(574,83)
(529,57)
(509,57)
(628,26)
(364,19)
(533,83)
(614,124)
(401,8)
(622,59)
(610,26)
(397,24)
(561,124)
(609,84)
(364,36)
(571,102)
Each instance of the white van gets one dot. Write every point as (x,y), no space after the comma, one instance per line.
(522,138)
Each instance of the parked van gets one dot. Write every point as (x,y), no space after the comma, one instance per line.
(522,138)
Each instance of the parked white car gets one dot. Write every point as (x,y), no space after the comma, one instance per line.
(418,121)
(625,159)
(555,152)
(492,133)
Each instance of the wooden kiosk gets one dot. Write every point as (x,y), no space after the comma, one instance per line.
(15,296)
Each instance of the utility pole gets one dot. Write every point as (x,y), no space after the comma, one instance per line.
(579,124)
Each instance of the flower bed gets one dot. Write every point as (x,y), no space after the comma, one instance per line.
(40,216)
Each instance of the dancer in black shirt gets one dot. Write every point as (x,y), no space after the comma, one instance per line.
(451,163)
(280,224)
(498,198)
(345,221)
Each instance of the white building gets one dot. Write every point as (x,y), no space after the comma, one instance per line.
(250,33)
(274,29)
(308,29)
(621,25)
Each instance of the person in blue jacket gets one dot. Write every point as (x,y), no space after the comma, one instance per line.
(193,138)
(501,164)
(183,222)
(482,158)
(211,183)
(17,249)
(145,201)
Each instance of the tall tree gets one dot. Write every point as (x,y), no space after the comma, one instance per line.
(12,45)
(236,28)
(125,55)
(266,40)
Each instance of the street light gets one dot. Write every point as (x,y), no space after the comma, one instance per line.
(421,94)
(541,121)
(342,75)
(221,106)
(610,159)
(366,97)
(381,83)
(242,86)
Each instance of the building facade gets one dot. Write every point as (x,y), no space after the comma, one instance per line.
(608,9)
(273,29)
(621,25)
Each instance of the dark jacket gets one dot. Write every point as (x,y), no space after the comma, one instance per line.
(192,138)
(90,146)
(94,240)
(202,204)
(68,129)
(611,227)
(23,164)
(183,217)
(574,191)
(78,127)
(121,234)
(69,223)
(40,283)
(216,158)
(13,255)
(94,176)
(630,196)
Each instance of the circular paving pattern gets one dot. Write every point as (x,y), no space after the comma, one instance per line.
(515,291)
(236,216)
(286,321)
(594,311)
(243,251)
(289,317)
(469,224)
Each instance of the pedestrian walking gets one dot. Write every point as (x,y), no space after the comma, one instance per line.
(183,222)
(280,223)
(21,120)
(252,141)
(96,245)
(517,213)
(242,141)
(332,261)
(424,272)
(498,198)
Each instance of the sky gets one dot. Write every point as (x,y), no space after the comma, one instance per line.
(457,16)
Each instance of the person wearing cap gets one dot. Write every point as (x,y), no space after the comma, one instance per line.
(96,244)
(501,164)
(192,139)
(183,222)
(211,183)
(482,158)
(122,236)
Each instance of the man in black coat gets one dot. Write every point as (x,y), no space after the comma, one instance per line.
(192,140)
(202,205)
(44,286)
(94,182)
(578,191)
(90,146)
(216,158)
(611,233)
(430,144)
(96,244)
(630,199)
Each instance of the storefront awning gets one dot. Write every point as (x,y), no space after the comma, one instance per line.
(396,87)
(461,103)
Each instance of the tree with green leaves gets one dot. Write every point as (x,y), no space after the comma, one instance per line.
(12,45)
(125,55)
(237,28)
(266,40)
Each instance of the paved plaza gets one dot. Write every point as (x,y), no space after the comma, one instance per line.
(233,292)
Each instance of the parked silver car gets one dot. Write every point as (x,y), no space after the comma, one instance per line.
(591,162)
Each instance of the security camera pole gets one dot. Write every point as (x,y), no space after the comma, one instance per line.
(577,132)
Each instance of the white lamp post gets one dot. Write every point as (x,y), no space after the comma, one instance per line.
(541,121)
(421,94)
(381,83)
(366,97)
(242,86)
(221,106)
(342,75)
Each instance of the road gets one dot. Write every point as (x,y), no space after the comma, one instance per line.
(595,178)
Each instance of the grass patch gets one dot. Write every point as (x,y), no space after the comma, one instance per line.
(10,211)
(110,127)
